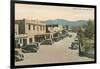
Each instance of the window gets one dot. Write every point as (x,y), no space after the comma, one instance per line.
(40,27)
(21,29)
(30,40)
(29,27)
(33,27)
(43,27)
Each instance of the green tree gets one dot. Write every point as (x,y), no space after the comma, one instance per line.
(90,29)
(87,46)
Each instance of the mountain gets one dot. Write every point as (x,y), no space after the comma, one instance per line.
(67,23)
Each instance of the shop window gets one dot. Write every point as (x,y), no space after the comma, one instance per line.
(30,40)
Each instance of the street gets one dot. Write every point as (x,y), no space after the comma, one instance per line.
(59,52)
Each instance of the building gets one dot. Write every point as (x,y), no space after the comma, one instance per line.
(56,30)
(29,31)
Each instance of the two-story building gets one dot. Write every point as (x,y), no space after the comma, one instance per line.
(29,31)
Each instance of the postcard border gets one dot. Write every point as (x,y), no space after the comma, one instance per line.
(12,17)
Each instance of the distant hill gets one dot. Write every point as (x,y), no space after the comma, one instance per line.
(67,23)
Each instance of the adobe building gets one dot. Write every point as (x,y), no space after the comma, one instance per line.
(29,31)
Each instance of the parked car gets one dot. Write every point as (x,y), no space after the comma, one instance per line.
(77,42)
(47,42)
(33,47)
(74,45)
(56,39)
(70,36)
(19,55)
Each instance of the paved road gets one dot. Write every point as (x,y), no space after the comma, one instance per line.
(59,52)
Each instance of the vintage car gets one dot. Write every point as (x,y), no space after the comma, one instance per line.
(30,48)
(56,39)
(47,42)
(74,46)
(77,41)
(19,55)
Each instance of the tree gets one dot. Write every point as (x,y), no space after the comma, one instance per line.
(90,29)
(87,45)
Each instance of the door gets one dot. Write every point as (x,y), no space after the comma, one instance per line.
(24,41)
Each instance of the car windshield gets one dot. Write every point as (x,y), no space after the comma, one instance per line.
(31,45)
(47,40)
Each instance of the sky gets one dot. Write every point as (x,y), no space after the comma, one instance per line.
(45,12)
